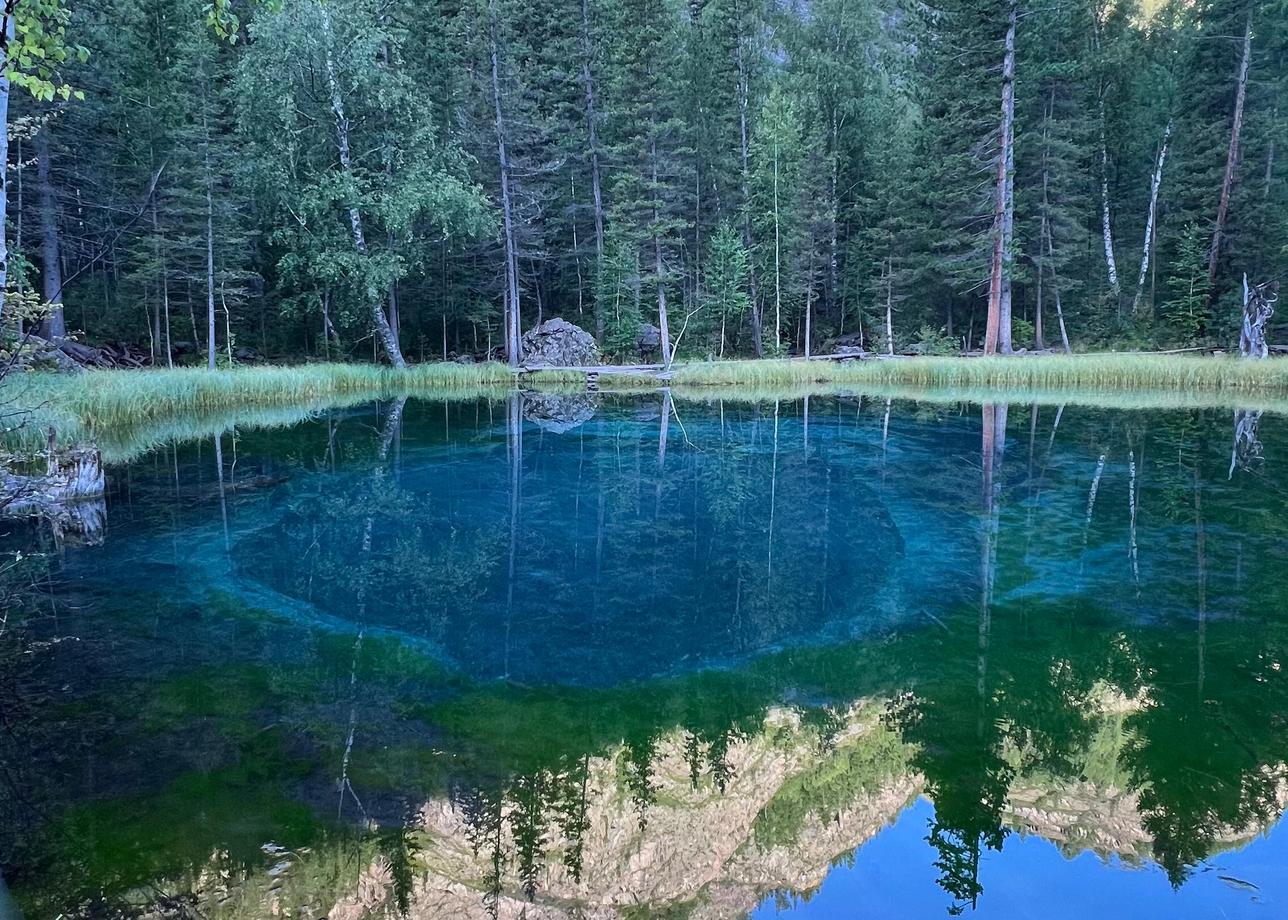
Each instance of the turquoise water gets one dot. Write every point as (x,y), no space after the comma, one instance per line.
(640,657)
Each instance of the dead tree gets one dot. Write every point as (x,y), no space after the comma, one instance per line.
(997,335)
(1232,157)
(1258,306)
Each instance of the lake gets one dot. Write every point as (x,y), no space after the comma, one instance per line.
(601,656)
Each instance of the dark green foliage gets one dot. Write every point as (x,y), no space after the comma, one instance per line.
(849,149)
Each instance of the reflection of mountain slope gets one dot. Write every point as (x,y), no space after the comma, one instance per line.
(698,846)
(790,810)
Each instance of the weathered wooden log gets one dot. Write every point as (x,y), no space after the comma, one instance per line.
(1258,306)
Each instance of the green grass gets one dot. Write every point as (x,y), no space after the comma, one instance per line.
(127,412)
(1115,372)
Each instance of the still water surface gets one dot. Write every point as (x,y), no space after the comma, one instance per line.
(633,657)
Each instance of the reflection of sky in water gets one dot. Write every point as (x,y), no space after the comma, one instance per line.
(1039,618)
(893,876)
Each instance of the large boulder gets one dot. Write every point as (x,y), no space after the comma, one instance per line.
(649,340)
(558,343)
(849,344)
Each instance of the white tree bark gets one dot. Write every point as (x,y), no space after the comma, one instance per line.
(889,308)
(778,280)
(512,326)
(384,331)
(1155,182)
(1258,307)
(1105,221)
(1008,213)
(995,339)
(663,323)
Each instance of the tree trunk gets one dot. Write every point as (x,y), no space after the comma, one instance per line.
(663,326)
(1039,339)
(210,256)
(164,306)
(6,39)
(375,306)
(997,333)
(1270,158)
(833,219)
(744,90)
(1258,307)
(1008,213)
(1105,223)
(512,346)
(54,326)
(778,269)
(809,309)
(1231,159)
(1055,288)
(889,305)
(1155,182)
(592,136)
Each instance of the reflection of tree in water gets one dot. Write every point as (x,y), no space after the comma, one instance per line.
(1002,690)
(613,550)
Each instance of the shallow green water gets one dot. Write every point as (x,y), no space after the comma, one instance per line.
(690,659)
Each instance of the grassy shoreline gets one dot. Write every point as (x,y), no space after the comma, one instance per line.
(152,405)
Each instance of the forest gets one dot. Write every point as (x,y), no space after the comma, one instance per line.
(401,180)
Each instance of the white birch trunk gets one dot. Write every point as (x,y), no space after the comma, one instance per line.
(375,303)
(778,272)
(1154,184)
(512,304)
(1008,212)
(1106,223)
(1003,207)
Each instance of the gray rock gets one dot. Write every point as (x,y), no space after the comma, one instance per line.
(558,343)
(845,345)
(649,340)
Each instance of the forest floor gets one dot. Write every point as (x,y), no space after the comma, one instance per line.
(145,406)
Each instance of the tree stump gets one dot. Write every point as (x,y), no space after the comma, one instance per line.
(1258,306)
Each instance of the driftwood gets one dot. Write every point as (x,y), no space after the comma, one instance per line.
(71,355)
(1258,306)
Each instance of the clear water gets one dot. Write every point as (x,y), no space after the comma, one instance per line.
(627,657)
